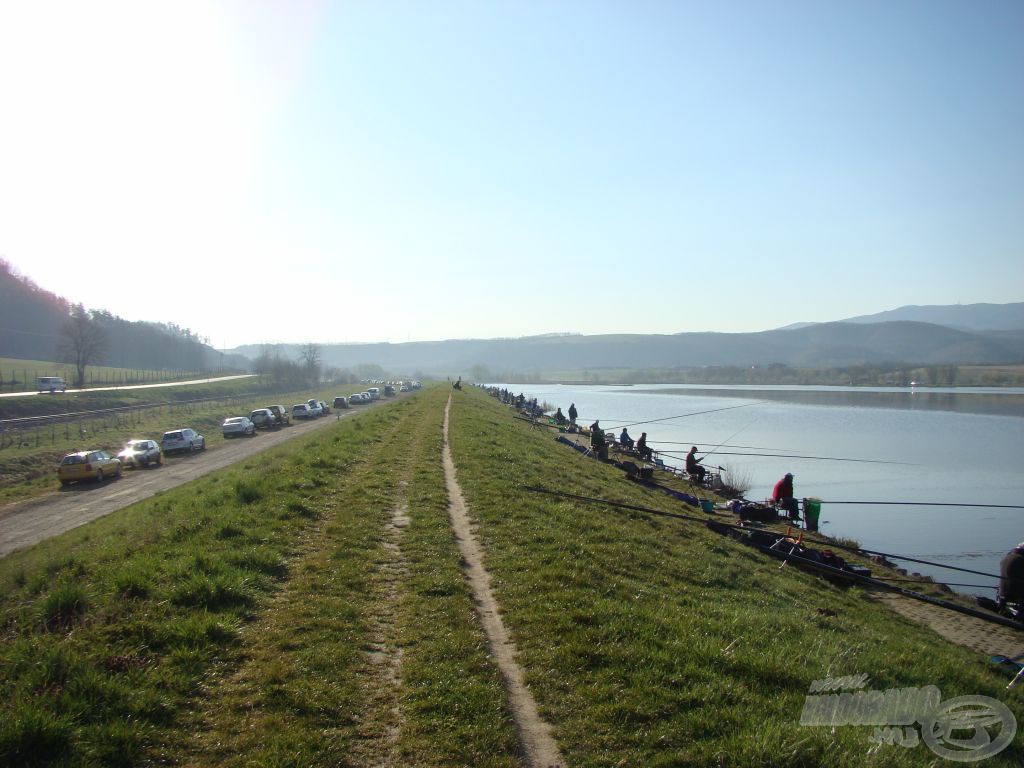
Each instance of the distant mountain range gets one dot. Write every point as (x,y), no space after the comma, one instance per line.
(30,318)
(963,317)
(823,345)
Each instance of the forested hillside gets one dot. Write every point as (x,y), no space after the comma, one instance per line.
(30,329)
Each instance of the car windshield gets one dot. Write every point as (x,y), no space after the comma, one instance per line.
(233,421)
(74,458)
(172,436)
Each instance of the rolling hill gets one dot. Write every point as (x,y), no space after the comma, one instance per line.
(820,345)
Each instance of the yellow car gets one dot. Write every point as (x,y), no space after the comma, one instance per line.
(88,465)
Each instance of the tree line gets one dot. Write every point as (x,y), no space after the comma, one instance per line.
(40,325)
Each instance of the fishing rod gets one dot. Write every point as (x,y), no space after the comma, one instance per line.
(812,564)
(930,504)
(815,458)
(721,444)
(942,583)
(683,416)
(831,544)
(691,442)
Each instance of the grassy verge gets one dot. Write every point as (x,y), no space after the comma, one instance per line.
(230,621)
(650,642)
(28,467)
(16,373)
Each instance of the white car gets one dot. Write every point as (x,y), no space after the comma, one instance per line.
(182,440)
(301,411)
(315,408)
(374,393)
(238,425)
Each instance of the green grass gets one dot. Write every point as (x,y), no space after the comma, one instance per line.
(648,641)
(248,597)
(234,620)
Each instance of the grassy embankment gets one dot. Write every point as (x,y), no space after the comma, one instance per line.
(244,619)
(28,458)
(648,641)
(237,620)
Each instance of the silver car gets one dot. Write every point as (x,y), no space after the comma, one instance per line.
(140,453)
(182,440)
(237,425)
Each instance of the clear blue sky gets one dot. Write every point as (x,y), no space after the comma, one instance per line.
(352,171)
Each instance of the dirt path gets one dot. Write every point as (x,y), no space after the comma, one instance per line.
(384,653)
(26,523)
(536,742)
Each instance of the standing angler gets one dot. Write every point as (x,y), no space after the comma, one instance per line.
(783,496)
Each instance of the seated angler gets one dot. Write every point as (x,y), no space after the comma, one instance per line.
(641,448)
(693,467)
(782,496)
(625,440)
(1011,577)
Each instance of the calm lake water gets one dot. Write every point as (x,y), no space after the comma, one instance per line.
(963,446)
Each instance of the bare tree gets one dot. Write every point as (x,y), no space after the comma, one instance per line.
(82,341)
(309,356)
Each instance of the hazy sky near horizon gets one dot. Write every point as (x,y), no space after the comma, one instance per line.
(392,171)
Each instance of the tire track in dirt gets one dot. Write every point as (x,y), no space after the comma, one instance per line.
(384,654)
(538,746)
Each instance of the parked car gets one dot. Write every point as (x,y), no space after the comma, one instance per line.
(88,465)
(50,384)
(301,411)
(315,408)
(237,425)
(389,391)
(263,418)
(280,414)
(140,453)
(356,398)
(182,440)
(325,409)
(341,402)
(404,388)
(374,393)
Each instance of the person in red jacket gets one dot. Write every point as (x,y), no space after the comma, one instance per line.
(783,497)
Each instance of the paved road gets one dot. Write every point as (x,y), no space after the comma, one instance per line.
(135,386)
(26,523)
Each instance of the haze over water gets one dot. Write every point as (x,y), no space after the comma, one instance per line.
(962,446)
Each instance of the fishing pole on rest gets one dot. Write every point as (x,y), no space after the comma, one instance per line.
(832,544)
(727,440)
(794,456)
(929,504)
(682,416)
(724,445)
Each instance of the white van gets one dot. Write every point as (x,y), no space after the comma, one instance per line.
(50,384)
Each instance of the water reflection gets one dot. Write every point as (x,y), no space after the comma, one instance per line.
(983,403)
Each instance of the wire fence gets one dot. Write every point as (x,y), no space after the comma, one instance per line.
(24,379)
